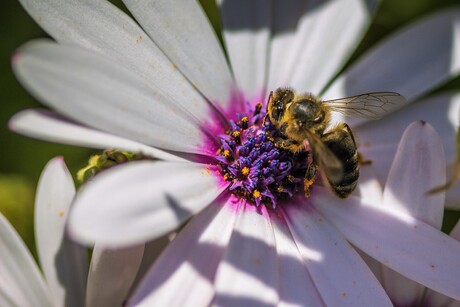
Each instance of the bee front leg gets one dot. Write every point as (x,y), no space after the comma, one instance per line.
(288,144)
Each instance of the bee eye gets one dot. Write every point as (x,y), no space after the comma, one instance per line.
(277,112)
(318,119)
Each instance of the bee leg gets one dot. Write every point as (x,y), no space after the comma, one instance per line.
(363,161)
(288,144)
(309,179)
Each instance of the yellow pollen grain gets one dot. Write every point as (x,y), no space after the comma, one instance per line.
(280,188)
(236,133)
(245,170)
(256,194)
(226,177)
(226,153)
(245,119)
(61,213)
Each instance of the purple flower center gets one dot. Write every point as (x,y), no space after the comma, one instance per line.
(258,171)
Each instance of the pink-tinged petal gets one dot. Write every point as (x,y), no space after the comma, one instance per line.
(139,201)
(296,286)
(189,42)
(321,47)
(21,283)
(111,274)
(408,246)
(64,263)
(184,273)
(378,140)
(248,274)
(340,275)
(49,126)
(419,165)
(406,62)
(246,34)
(98,92)
(103,28)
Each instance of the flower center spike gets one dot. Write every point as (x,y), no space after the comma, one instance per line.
(257,170)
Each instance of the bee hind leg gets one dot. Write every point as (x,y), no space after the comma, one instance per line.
(310,176)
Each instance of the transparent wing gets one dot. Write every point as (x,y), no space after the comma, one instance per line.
(327,161)
(370,105)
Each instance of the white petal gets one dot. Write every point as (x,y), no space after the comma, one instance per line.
(99,93)
(46,125)
(111,275)
(248,275)
(184,34)
(370,189)
(103,28)
(406,62)
(296,286)
(419,165)
(378,140)
(321,47)
(455,233)
(21,283)
(184,273)
(133,203)
(408,246)
(246,33)
(340,275)
(64,263)
(152,251)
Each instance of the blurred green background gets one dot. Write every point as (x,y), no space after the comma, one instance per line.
(22,159)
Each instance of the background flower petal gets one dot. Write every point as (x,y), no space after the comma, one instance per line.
(378,140)
(408,246)
(99,93)
(64,263)
(340,275)
(406,61)
(419,165)
(111,275)
(249,267)
(139,201)
(246,33)
(189,41)
(50,126)
(308,60)
(21,283)
(184,273)
(103,28)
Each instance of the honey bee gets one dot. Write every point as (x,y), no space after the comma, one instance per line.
(304,120)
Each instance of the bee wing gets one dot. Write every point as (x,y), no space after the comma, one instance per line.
(370,105)
(327,161)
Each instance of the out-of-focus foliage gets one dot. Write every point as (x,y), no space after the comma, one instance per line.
(22,159)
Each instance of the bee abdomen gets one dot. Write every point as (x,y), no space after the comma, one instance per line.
(342,144)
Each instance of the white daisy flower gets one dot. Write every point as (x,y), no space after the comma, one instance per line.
(166,90)
(66,280)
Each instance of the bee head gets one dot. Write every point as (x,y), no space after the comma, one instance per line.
(278,103)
